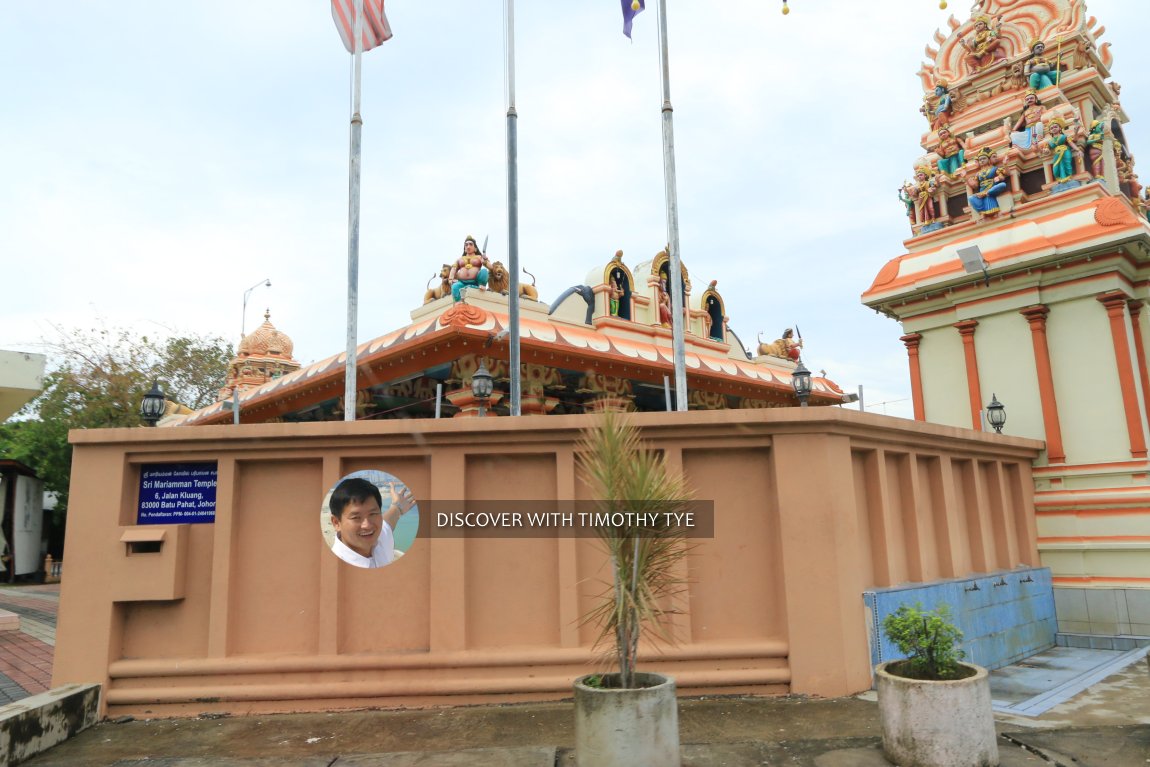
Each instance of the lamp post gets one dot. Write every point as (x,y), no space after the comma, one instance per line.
(482,385)
(243,327)
(152,406)
(801,380)
(996,414)
(244,321)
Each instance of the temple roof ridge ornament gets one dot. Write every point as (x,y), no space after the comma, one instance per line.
(1008,27)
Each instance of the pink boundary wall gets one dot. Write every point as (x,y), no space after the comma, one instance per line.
(253,614)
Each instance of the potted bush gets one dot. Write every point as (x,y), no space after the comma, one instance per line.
(935,710)
(627,718)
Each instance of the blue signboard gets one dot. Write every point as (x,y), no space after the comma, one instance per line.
(177,493)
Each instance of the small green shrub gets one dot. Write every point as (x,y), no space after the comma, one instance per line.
(929,640)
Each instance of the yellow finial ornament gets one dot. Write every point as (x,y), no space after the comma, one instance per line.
(634,5)
(786,10)
(942,5)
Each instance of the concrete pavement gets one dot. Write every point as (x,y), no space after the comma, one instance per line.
(1106,725)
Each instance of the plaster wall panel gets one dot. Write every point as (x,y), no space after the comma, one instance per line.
(368,621)
(1006,368)
(519,571)
(1083,366)
(743,531)
(153,629)
(275,523)
(862,468)
(944,388)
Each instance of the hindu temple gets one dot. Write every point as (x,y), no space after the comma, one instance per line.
(1024,279)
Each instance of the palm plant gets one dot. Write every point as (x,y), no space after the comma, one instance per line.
(629,480)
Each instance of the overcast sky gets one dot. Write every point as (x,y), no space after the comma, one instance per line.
(158,159)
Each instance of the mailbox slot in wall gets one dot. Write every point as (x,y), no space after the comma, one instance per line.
(143,540)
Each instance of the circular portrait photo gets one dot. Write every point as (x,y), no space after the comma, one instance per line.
(369,519)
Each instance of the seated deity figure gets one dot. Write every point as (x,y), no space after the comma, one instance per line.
(1094,141)
(985,45)
(470,270)
(1062,160)
(951,151)
(1028,129)
(1040,70)
(987,184)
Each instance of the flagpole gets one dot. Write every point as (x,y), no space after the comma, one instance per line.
(349,388)
(513,216)
(675,272)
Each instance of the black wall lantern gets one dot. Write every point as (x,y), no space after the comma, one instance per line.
(153,405)
(481,386)
(801,380)
(996,413)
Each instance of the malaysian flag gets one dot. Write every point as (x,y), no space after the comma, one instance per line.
(375,28)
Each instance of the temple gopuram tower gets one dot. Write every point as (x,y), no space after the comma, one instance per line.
(1026,278)
(264,355)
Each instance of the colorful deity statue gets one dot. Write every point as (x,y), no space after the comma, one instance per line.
(951,151)
(945,106)
(1041,71)
(987,184)
(469,270)
(906,194)
(1028,128)
(1058,142)
(1126,175)
(924,191)
(1094,141)
(664,304)
(985,45)
(615,293)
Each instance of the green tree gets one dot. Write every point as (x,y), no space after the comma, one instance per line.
(97,380)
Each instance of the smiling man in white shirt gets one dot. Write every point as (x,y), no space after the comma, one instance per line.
(364,534)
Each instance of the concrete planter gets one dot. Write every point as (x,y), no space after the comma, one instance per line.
(937,724)
(625,728)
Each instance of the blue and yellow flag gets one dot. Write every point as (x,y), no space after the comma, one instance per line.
(630,8)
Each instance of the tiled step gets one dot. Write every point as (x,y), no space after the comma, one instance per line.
(9,621)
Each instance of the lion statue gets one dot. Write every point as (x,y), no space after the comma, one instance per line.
(500,282)
(529,291)
(785,347)
(440,290)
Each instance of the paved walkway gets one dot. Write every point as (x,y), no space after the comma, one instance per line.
(26,655)
(1105,725)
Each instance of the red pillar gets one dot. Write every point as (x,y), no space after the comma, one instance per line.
(912,341)
(1140,350)
(1036,316)
(1115,303)
(966,329)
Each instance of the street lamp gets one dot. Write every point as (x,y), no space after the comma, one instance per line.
(801,380)
(153,405)
(244,320)
(996,413)
(482,385)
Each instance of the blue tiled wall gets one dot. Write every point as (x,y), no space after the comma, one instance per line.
(1004,616)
